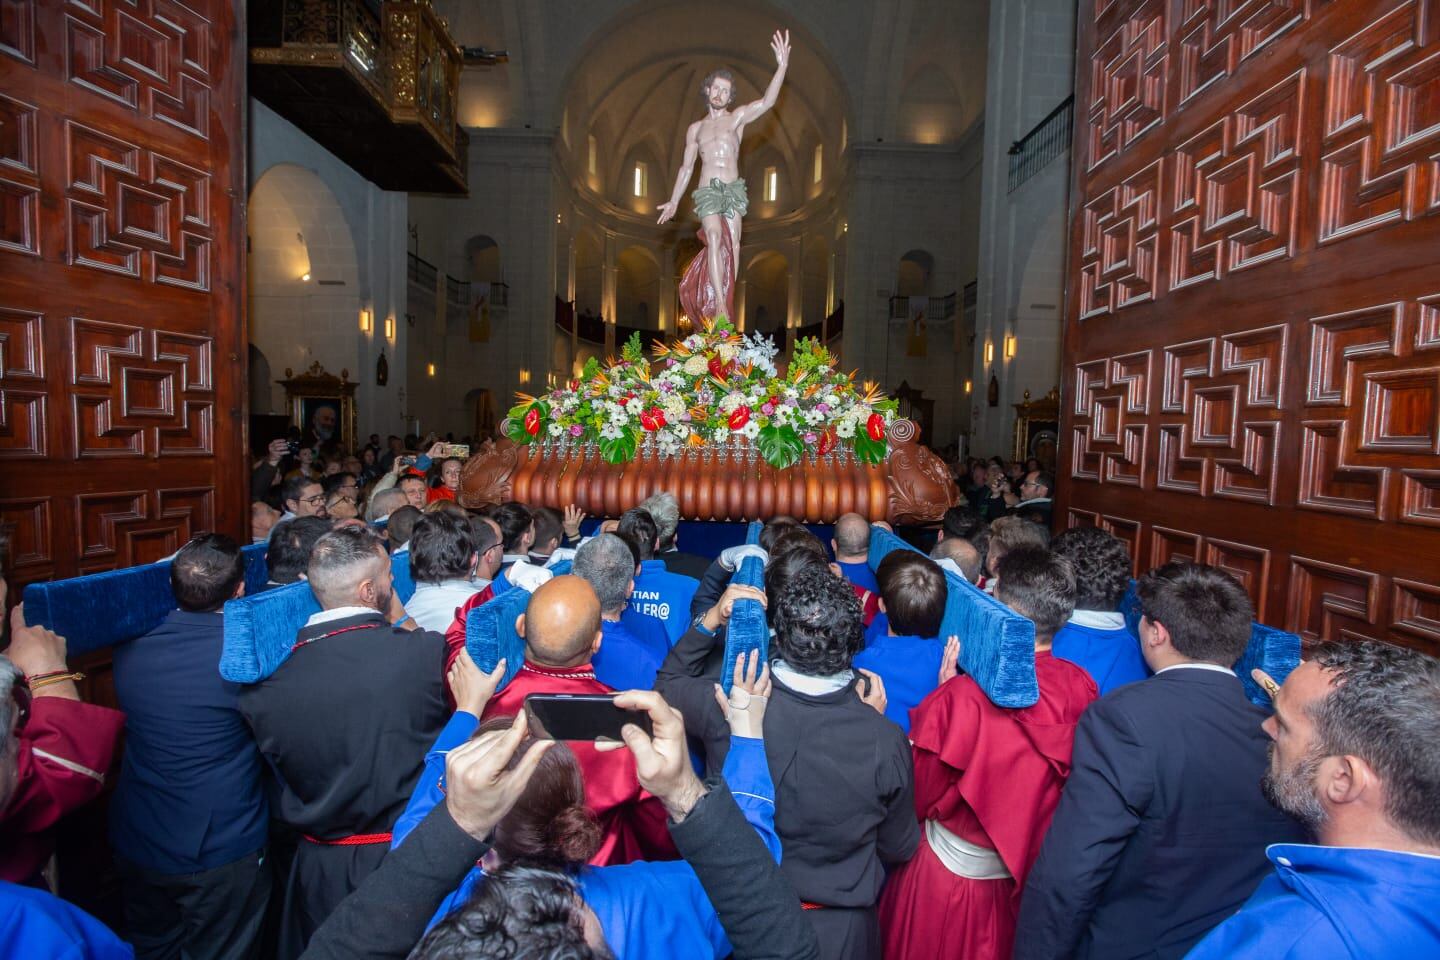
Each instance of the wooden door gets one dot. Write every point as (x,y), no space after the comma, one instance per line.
(1252,345)
(122,333)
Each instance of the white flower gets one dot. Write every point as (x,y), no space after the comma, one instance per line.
(719,434)
(633,406)
(696,365)
(554,430)
(729,402)
(727,352)
(813,417)
(845,429)
(784,415)
(673,407)
(831,400)
(610,432)
(751,429)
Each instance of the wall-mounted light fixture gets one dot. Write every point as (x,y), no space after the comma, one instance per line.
(389,328)
(989,352)
(1010,346)
(967,386)
(305,276)
(524,376)
(430,369)
(365,320)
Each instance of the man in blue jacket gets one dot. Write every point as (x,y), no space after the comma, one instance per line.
(188,822)
(1096,638)
(1354,756)
(907,655)
(623,662)
(659,594)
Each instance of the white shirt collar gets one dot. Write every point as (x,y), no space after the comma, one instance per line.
(403,548)
(1196,666)
(1098,619)
(807,684)
(340,613)
(456,584)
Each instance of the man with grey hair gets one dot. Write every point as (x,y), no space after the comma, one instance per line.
(42,924)
(1353,756)
(664,509)
(344,722)
(958,555)
(623,662)
(384,503)
(852,551)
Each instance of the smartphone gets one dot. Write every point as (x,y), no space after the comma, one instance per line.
(294,447)
(587,716)
(460,450)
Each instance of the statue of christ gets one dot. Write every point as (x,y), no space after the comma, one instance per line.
(707,288)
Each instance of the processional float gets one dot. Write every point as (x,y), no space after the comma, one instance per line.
(709,416)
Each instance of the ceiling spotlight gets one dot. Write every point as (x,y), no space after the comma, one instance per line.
(305,276)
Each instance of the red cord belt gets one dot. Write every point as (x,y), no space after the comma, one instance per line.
(354,840)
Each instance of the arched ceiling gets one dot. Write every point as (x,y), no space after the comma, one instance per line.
(893,70)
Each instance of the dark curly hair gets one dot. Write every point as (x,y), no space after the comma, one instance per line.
(518,913)
(817,622)
(782,568)
(1102,566)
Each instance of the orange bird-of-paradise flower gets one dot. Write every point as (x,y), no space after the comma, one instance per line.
(872,392)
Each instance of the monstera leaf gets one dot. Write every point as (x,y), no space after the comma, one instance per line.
(780,446)
(620,449)
(868,450)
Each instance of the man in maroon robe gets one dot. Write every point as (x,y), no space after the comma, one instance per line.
(64,750)
(561,627)
(987,781)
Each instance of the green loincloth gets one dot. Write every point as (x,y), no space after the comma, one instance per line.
(723,199)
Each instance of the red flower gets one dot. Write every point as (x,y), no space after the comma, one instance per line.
(720,369)
(827,441)
(532,421)
(739,417)
(652,419)
(875,426)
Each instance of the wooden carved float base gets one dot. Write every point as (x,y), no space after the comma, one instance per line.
(725,483)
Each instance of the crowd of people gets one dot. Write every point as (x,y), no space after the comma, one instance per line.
(857,795)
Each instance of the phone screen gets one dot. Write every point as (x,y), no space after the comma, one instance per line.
(591,716)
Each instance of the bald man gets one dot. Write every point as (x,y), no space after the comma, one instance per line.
(852,548)
(963,558)
(561,627)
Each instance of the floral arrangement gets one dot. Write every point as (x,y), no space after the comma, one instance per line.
(710,389)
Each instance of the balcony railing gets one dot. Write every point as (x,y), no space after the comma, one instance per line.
(377,84)
(1047,140)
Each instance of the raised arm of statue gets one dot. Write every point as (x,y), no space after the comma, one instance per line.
(780,43)
(687,169)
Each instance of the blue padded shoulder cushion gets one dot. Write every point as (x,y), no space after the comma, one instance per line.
(1270,649)
(997,645)
(261,629)
(116,606)
(490,633)
(562,568)
(748,630)
(752,532)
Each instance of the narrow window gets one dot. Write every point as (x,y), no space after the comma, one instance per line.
(590,142)
(819,162)
(772,184)
(640,180)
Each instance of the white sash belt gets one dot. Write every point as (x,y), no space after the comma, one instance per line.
(963,858)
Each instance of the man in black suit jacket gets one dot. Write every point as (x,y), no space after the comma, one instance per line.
(1162,828)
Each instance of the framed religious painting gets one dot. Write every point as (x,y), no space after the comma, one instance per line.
(1037,429)
(322,407)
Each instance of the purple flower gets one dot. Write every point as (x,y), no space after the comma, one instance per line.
(811,438)
(768,409)
(822,407)
(685,417)
(576,430)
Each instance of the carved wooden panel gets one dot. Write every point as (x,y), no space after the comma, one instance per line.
(122,337)
(1252,344)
